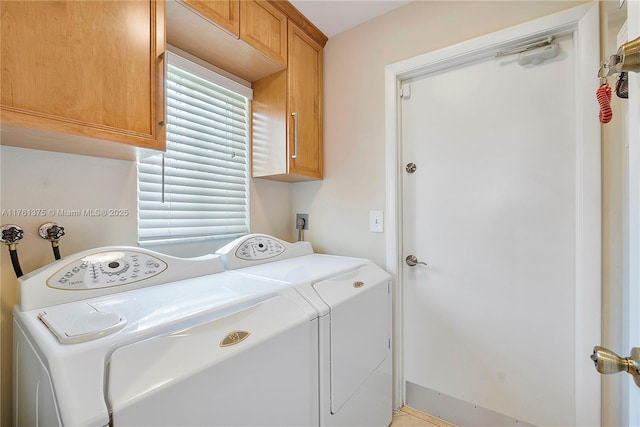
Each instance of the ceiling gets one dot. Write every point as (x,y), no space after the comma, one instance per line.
(335,16)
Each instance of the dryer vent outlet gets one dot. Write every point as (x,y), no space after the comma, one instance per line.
(302,221)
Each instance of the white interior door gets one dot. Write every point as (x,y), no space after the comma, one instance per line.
(496,209)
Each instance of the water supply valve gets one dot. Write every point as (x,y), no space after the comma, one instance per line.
(51,231)
(607,362)
(11,234)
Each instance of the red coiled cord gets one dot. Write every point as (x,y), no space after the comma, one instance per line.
(603,94)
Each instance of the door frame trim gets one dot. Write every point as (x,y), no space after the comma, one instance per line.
(631,220)
(583,22)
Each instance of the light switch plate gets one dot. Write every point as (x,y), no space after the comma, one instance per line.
(376,221)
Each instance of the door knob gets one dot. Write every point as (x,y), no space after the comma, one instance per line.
(412,261)
(607,362)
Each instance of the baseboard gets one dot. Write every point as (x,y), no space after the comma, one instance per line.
(456,411)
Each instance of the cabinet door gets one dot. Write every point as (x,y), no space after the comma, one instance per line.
(265,28)
(305,100)
(224,13)
(87,68)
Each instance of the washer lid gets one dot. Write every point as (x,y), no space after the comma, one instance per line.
(193,376)
(81,322)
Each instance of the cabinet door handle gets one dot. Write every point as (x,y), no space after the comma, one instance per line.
(295,135)
(163,59)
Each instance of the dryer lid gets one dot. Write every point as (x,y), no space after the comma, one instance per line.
(307,269)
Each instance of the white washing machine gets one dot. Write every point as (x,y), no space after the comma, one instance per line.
(352,297)
(124,336)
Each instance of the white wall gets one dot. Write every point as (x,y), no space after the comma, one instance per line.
(354,131)
(31,179)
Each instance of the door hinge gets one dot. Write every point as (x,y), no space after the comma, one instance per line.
(405,91)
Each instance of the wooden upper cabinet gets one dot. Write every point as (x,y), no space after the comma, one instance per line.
(287,133)
(225,13)
(264,27)
(304,92)
(93,69)
(255,49)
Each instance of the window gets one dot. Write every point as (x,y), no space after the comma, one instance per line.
(199,188)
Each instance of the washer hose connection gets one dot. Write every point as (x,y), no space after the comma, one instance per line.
(52,232)
(11,235)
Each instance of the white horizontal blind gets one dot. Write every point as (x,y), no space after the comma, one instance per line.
(205,165)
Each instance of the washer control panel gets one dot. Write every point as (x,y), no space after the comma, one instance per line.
(258,248)
(106,269)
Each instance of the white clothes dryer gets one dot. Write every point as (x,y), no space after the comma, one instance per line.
(353,299)
(122,336)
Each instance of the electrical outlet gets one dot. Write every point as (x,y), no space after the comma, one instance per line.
(376,221)
(302,220)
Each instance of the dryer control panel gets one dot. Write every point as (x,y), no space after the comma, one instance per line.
(259,247)
(255,249)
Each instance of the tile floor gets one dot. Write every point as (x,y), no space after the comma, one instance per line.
(408,417)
